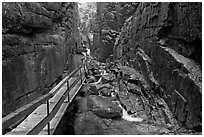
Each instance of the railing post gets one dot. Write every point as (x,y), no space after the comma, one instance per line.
(48,124)
(68,89)
(84,66)
(81,75)
(84,70)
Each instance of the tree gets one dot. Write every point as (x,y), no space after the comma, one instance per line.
(87,13)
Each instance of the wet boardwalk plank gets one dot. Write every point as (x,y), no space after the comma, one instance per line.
(36,116)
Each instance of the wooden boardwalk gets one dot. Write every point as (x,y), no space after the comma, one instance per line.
(41,112)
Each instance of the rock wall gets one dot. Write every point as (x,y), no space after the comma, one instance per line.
(163,41)
(38,43)
(110,19)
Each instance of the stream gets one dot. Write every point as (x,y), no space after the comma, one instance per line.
(128,117)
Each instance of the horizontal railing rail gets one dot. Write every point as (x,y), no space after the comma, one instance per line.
(22,112)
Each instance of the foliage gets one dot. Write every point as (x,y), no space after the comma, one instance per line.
(87,13)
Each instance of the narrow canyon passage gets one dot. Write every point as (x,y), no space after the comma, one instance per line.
(143,64)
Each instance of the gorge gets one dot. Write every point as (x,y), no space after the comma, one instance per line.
(144,70)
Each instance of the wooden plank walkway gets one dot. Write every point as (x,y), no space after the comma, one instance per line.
(41,112)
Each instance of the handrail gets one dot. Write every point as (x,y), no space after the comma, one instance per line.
(10,119)
(13,117)
(59,85)
(44,122)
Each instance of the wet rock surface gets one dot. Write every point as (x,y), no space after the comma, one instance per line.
(37,39)
(161,44)
(103,107)
(88,124)
(126,111)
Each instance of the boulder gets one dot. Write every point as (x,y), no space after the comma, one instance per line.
(93,90)
(90,72)
(91,79)
(88,89)
(108,78)
(134,88)
(100,86)
(136,78)
(105,91)
(126,71)
(88,124)
(81,104)
(103,108)
(84,90)
(96,72)
(97,76)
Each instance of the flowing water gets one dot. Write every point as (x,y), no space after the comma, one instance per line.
(128,117)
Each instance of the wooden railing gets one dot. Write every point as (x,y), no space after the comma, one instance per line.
(22,112)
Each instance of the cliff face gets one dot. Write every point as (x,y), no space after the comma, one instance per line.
(163,41)
(38,42)
(109,20)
